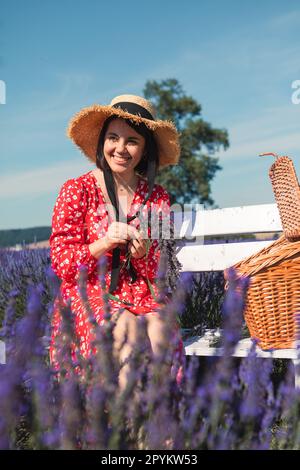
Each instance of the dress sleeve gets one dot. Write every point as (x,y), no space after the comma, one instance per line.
(148,265)
(68,249)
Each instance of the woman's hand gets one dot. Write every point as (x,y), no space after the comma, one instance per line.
(119,233)
(138,248)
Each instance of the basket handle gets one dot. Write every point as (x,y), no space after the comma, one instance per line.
(287,194)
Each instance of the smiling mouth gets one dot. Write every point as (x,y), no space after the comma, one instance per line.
(121,159)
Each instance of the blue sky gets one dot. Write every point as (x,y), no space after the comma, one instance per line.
(238,59)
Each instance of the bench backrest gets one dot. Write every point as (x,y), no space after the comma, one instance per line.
(262,220)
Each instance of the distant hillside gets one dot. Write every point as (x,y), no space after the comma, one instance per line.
(22,236)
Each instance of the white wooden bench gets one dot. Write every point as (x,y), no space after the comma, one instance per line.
(195,257)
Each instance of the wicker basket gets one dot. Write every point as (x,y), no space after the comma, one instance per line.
(273,297)
(287,194)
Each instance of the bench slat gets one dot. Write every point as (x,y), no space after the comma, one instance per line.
(216,257)
(199,346)
(231,220)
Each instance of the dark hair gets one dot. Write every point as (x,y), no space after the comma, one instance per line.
(151,149)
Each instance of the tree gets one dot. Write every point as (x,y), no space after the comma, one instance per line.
(190,181)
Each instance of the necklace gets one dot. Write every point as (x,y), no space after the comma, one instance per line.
(128,187)
(120,188)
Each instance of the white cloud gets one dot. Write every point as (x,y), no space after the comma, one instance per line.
(287,20)
(244,178)
(42,180)
(275,129)
(281,144)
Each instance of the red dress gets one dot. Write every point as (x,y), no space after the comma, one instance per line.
(79,218)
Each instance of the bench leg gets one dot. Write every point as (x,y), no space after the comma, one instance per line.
(296,363)
(2,353)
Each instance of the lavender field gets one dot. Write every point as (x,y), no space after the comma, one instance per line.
(218,403)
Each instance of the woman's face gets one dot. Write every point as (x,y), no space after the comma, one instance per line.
(123,147)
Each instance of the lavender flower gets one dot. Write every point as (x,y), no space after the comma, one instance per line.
(218,403)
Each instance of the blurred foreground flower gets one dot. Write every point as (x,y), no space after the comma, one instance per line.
(219,403)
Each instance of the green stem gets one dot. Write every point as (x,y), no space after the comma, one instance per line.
(114,297)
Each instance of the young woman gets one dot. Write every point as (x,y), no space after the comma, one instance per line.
(99,214)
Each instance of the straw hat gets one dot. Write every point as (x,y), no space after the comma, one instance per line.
(85,126)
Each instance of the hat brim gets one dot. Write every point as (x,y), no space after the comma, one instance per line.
(85,127)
